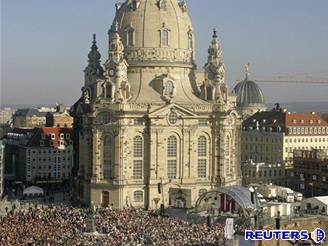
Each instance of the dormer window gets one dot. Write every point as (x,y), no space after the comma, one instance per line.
(129,37)
(164,37)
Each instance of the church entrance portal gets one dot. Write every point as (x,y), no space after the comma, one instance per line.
(180,198)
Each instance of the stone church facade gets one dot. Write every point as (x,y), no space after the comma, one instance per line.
(146,134)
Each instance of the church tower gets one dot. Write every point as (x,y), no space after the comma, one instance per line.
(146,136)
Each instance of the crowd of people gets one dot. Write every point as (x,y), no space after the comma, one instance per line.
(60,225)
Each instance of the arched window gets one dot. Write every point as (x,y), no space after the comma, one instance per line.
(108,90)
(227,156)
(129,35)
(172,157)
(138,196)
(137,146)
(105,198)
(108,157)
(209,93)
(137,157)
(202,157)
(164,37)
(168,88)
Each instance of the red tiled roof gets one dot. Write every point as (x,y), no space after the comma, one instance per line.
(45,134)
(310,119)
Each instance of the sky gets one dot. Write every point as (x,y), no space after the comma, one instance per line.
(44,45)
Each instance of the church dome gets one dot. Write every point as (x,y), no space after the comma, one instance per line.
(248,94)
(155,32)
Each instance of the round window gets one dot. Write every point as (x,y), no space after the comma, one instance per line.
(173,118)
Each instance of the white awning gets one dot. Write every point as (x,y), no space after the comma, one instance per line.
(33,190)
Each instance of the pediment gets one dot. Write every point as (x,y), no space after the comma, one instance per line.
(163,111)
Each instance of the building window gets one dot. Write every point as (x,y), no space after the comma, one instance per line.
(138,196)
(138,160)
(165,37)
(201,168)
(108,157)
(202,146)
(68,136)
(172,147)
(108,87)
(172,157)
(202,122)
(168,88)
(129,37)
(172,169)
(137,169)
(173,118)
(137,147)
(62,136)
(228,167)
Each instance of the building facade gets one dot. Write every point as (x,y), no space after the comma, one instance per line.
(60,118)
(310,172)
(271,137)
(263,173)
(6,115)
(40,155)
(146,134)
(29,118)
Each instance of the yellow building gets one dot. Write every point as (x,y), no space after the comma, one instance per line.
(146,133)
(272,137)
(29,118)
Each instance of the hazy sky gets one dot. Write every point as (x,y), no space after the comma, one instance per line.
(44,44)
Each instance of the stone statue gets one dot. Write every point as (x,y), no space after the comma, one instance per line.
(86,96)
(247,70)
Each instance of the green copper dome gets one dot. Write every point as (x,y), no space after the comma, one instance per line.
(248,94)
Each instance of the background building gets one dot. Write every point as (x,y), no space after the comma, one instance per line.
(59,118)
(273,136)
(6,115)
(310,172)
(39,155)
(29,118)
(143,122)
(264,173)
